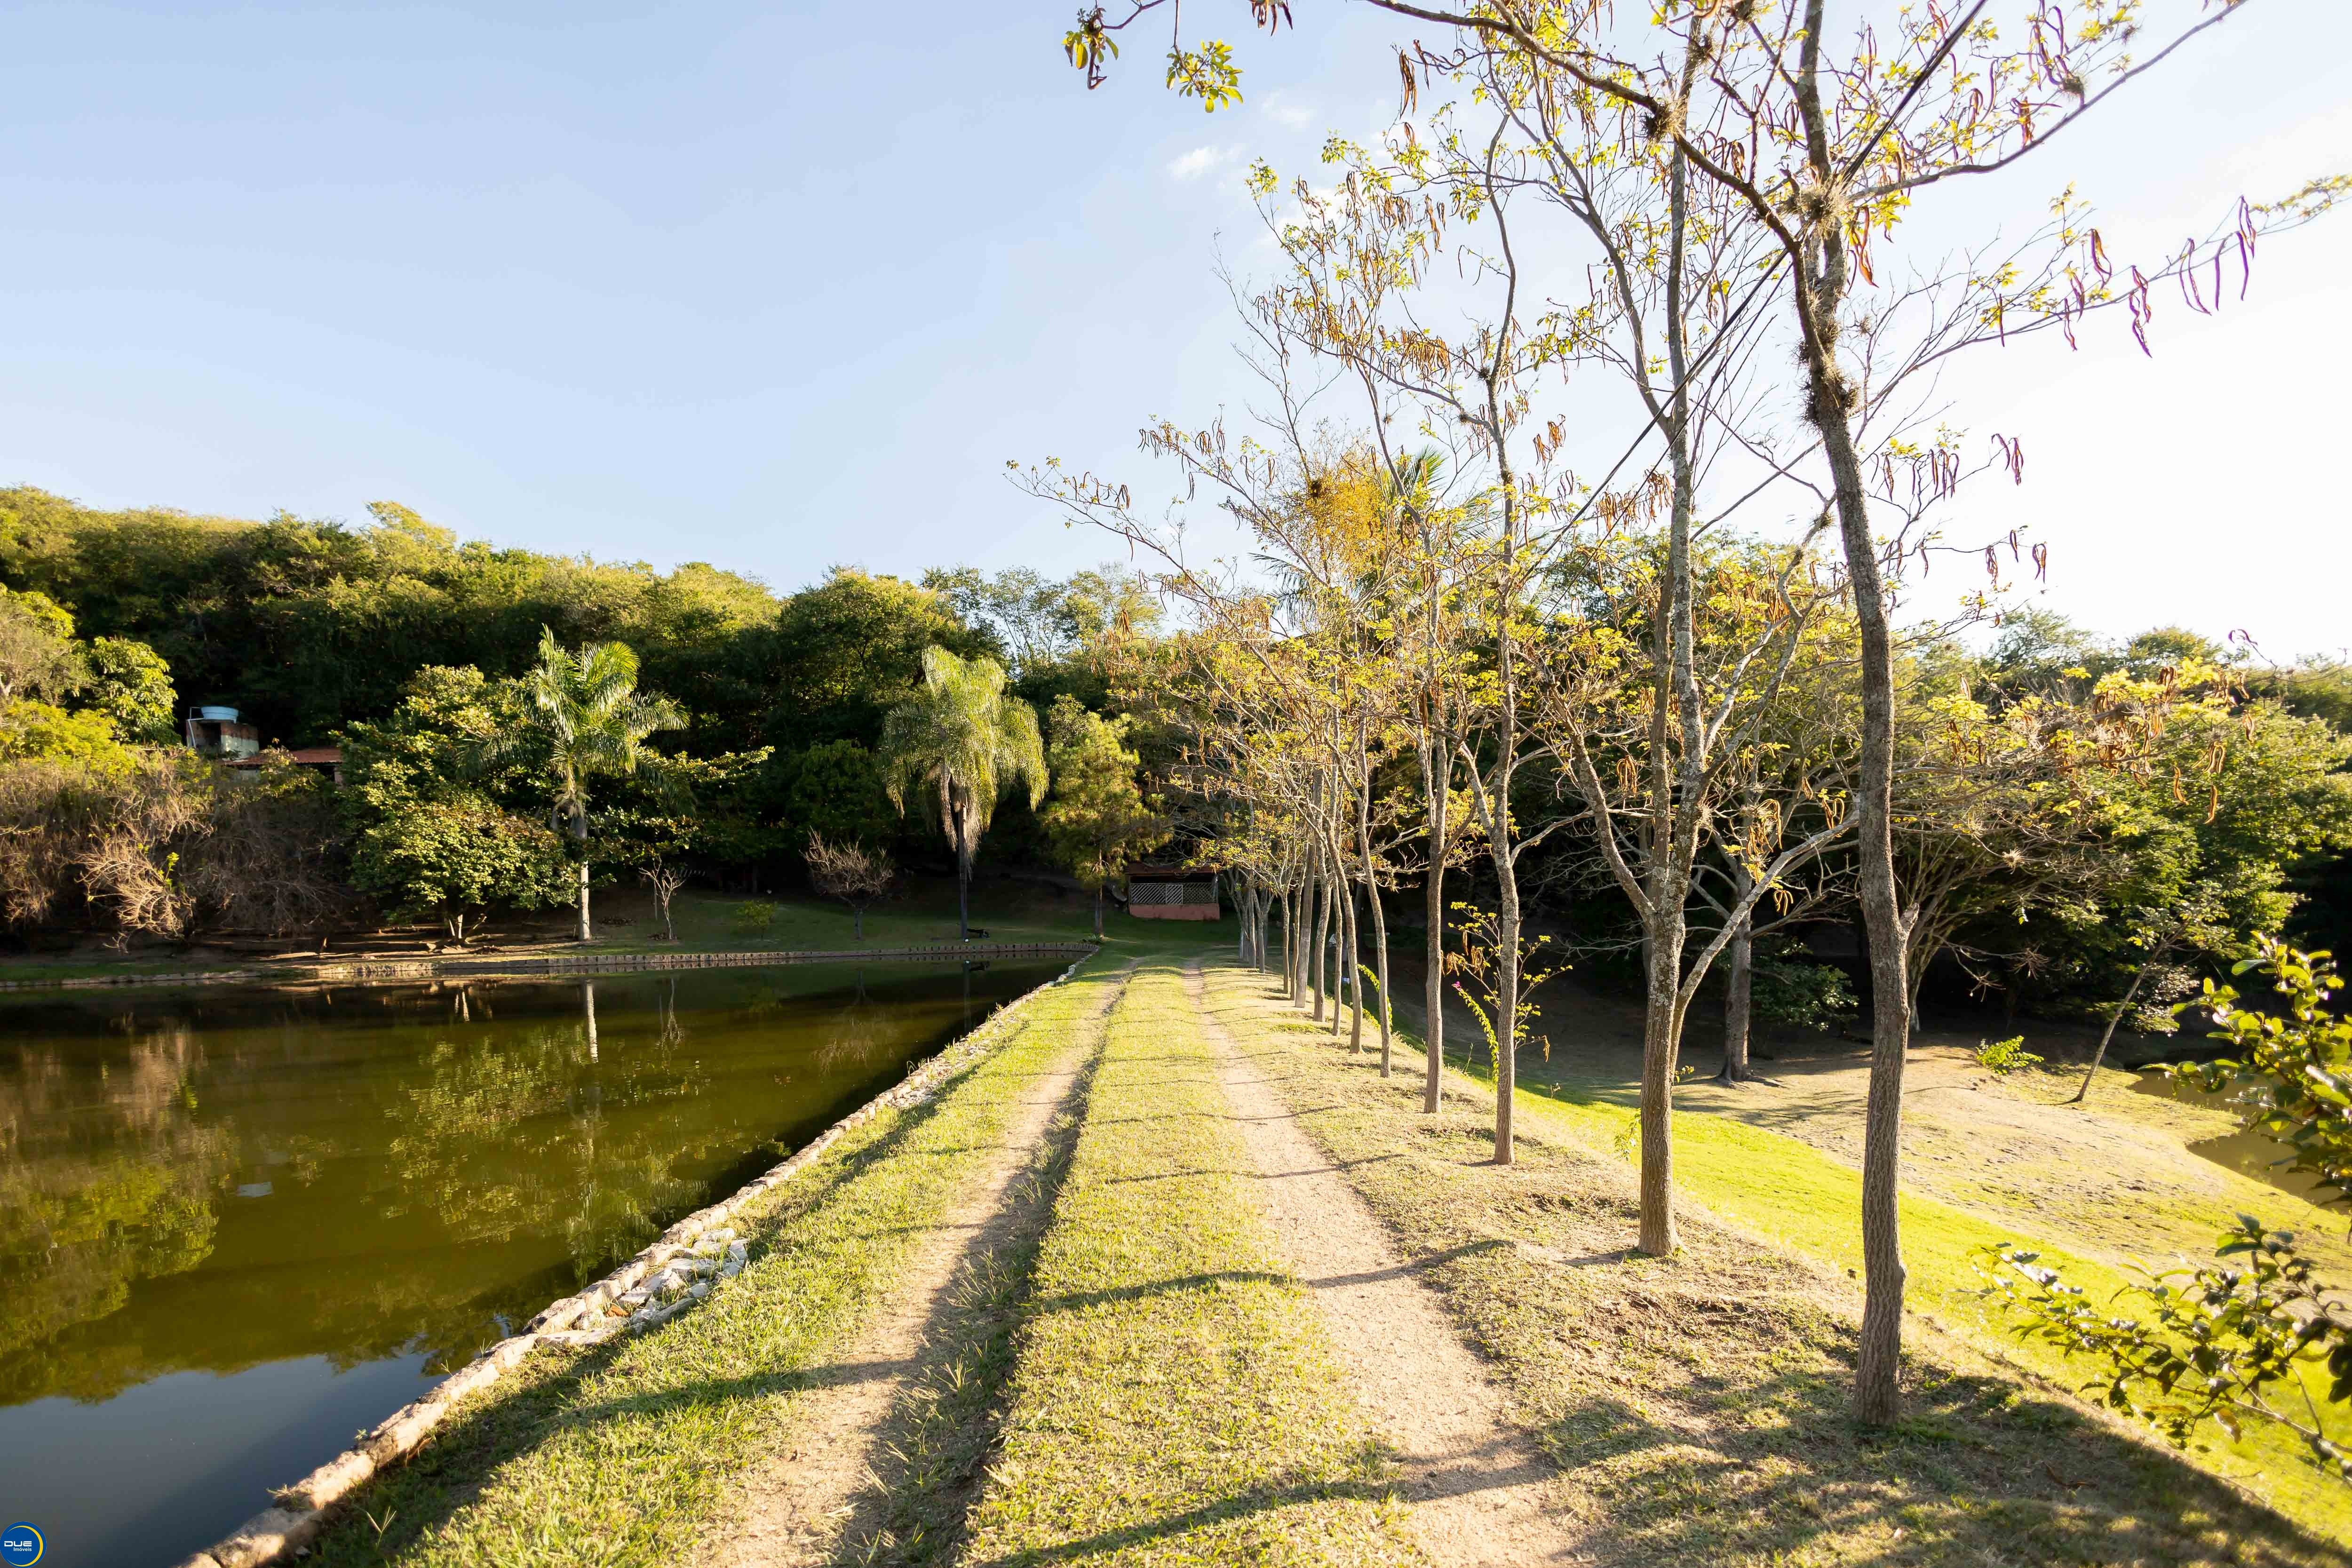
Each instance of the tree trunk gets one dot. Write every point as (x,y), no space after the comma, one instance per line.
(1372,890)
(1820,282)
(1506,1009)
(1661,1034)
(1433,990)
(2108,1035)
(1355,975)
(857,916)
(1738,996)
(964,883)
(1289,945)
(580,836)
(1099,911)
(1321,893)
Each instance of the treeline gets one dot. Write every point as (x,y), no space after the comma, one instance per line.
(309,627)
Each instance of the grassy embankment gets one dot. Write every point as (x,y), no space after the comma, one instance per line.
(1698,1404)
(1174,1400)
(620,1455)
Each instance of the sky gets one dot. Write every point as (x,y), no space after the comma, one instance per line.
(783,287)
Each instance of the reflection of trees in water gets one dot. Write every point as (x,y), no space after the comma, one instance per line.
(106,1178)
(517,1162)
(860,1038)
(545,1132)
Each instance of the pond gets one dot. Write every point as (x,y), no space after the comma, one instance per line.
(238,1226)
(2253,1155)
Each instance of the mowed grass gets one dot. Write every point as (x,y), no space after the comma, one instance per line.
(1794,1197)
(1174,1400)
(1697,1405)
(621,1455)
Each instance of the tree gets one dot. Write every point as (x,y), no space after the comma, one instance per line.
(454,857)
(849,874)
(132,685)
(38,656)
(849,650)
(586,721)
(1825,152)
(961,742)
(1098,821)
(836,790)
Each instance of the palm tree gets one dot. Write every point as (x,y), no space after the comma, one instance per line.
(961,742)
(586,710)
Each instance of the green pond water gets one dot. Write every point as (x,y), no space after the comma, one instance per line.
(2254,1154)
(238,1226)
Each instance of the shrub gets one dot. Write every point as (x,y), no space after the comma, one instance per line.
(754,917)
(1795,994)
(2003,1057)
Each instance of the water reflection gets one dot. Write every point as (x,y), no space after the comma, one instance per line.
(207,1182)
(2250,1154)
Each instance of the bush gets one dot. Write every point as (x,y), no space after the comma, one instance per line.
(755,917)
(2003,1057)
(1795,994)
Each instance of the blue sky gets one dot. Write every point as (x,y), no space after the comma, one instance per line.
(764,287)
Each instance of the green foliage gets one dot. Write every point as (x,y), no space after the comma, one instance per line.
(37,655)
(849,650)
(43,731)
(2002,1058)
(310,625)
(436,832)
(2298,1054)
(1098,821)
(835,790)
(2224,1344)
(2233,1342)
(959,743)
(132,685)
(754,917)
(452,857)
(1793,993)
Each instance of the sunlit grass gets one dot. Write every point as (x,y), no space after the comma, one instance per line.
(1175,1401)
(1781,1363)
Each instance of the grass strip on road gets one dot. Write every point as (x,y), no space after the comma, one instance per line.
(1175,1401)
(621,1455)
(1698,1404)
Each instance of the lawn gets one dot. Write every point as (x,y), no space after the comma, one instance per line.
(1173,1403)
(619,1455)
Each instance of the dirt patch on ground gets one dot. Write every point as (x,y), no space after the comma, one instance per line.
(1477,1486)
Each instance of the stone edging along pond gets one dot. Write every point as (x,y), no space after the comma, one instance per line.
(558,964)
(689,1260)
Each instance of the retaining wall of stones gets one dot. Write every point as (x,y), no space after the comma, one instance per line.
(695,1255)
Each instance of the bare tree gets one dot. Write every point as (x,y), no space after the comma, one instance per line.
(849,874)
(665,879)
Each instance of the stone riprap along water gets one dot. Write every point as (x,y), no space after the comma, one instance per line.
(240,1225)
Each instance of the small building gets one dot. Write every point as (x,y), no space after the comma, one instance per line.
(1172,893)
(326,760)
(215,732)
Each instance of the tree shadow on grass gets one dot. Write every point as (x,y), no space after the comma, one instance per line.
(1980,1470)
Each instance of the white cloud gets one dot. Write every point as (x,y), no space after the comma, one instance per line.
(1200,161)
(1283,109)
